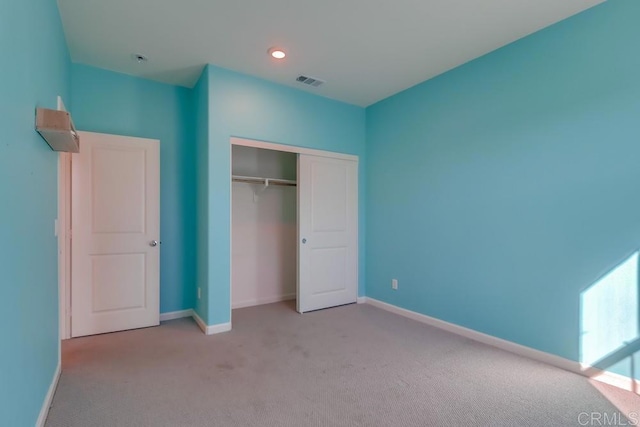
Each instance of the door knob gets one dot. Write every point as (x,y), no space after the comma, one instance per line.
(304,241)
(153,243)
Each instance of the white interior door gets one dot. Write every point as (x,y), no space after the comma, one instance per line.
(328,232)
(115,273)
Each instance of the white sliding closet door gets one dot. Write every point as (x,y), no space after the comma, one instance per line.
(328,232)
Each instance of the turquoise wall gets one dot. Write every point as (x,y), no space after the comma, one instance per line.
(201,106)
(108,102)
(35,70)
(248,107)
(497,193)
(500,191)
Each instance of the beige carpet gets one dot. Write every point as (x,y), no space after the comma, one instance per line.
(348,366)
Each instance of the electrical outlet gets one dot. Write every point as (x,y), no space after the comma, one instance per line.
(199,292)
(394,284)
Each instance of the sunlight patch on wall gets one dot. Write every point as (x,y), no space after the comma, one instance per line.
(609,312)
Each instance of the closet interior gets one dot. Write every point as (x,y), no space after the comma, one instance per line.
(263,226)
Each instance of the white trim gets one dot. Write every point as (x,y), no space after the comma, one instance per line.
(362,300)
(231,229)
(617,380)
(176,315)
(63,225)
(287,149)
(200,322)
(218,328)
(540,356)
(64,244)
(211,329)
(61,106)
(480,337)
(291,149)
(48,399)
(262,301)
(298,237)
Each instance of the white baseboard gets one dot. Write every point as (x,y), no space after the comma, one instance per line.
(218,328)
(540,356)
(176,315)
(616,380)
(362,300)
(260,301)
(48,399)
(211,329)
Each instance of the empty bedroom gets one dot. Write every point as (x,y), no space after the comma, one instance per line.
(346,213)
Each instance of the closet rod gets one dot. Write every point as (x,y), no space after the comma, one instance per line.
(264,181)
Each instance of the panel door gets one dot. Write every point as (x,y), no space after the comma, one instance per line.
(328,232)
(115,273)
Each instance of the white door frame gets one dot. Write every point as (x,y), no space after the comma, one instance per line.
(63,230)
(291,149)
(287,149)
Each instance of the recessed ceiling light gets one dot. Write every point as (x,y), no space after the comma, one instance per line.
(139,58)
(277,53)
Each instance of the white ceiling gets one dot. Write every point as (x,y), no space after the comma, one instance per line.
(366,50)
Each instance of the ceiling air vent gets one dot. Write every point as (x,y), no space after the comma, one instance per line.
(310,81)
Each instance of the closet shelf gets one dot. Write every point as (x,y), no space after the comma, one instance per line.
(264,181)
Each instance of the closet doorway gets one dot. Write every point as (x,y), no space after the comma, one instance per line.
(294,226)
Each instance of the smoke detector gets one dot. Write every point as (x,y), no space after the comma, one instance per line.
(139,58)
